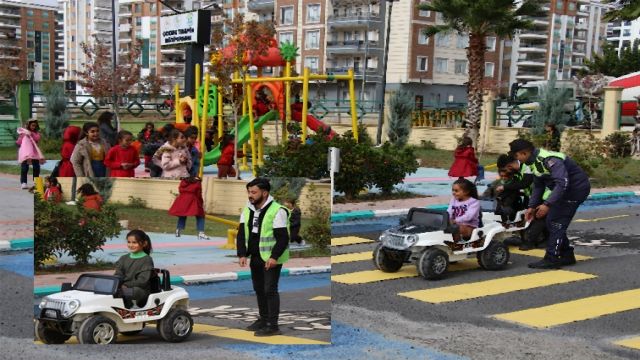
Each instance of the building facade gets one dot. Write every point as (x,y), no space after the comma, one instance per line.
(622,34)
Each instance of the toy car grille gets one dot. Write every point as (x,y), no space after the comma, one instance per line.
(395,241)
(56,305)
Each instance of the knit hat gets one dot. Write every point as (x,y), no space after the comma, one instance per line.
(519,145)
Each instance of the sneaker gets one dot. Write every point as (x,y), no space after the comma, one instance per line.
(257,325)
(302,243)
(24,186)
(568,259)
(268,331)
(514,240)
(547,263)
(178,232)
(203,236)
(526,246)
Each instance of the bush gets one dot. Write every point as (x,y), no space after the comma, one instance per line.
(427,145)
(318,233)
(76,231)
(283,189)
(56,117)
(137,202)
(618,145)
(586,150)
(50,145)
(391,165)
(401,106)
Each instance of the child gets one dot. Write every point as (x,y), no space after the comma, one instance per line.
(465,163)
(189,203)
(147,136)
(92,200)
(123,158)
(191,133)
(208,140)
(69,141)
(508,198)
(135,269)
(464,209)
(53,190)
(107,132)
(294,221)
(262,104)
(88,155)
(173,157)
(29,152)
(226,161)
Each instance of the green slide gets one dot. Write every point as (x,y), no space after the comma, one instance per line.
(213,156)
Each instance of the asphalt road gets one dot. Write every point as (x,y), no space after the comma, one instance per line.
(467,327)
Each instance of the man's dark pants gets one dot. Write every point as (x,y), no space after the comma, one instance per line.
(558,219)
(265,284)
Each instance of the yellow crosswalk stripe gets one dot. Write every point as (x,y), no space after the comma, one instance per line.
(496,286)
(576,310)
(349,240)
(320,298)
(344,258)
(540,253)
(600,219)
(633,343)
(369,276)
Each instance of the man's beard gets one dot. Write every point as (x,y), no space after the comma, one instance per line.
(257,200)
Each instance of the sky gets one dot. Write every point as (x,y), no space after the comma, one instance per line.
(39,2)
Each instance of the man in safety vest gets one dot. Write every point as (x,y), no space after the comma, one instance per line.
(263,236)
(569,186)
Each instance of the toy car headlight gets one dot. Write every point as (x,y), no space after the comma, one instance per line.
(70,308)
(412,239)
(383,237)
(43,303)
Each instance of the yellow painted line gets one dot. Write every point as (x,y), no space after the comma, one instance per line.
(576,310)
(244,335)
(321,298)
(369,276)
(633,343)
(496,286)
(349,240)
(600,219)
(121,339)
(344,258)
(540,253)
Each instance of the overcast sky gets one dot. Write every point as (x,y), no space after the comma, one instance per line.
(41,2)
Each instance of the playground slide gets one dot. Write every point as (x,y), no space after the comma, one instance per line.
(313,123)
(213,156)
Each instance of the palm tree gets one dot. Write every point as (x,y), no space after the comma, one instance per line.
(479,19)
(623,10)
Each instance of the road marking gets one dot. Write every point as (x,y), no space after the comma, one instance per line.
(600,219)
(496,286)
(540,253)
(633,343)
(344,258)
(349,240)
(576,310)
(244,335)
(321,298)
(369,276)
(121,339)
(599,242)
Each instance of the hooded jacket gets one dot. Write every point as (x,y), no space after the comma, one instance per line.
(69,141)
(465,163)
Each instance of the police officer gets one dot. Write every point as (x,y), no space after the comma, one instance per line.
(569,186)
(263,236)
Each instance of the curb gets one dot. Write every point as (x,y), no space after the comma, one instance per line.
(370,214)
(16,244)
(208,278)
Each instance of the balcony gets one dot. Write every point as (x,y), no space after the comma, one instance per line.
(346,21)
(4,24)
(171,50)
(172,63)
(530,34)
(15,14)
(103,4)
(125,27)
(124,40)
(529,77)
(535,62)
(260,5)
(351,46)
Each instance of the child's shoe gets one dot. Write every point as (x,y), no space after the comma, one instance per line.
(178,232)
(24,186)
(203,236)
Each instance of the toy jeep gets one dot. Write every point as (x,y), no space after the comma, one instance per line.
(425,238)
(93,311)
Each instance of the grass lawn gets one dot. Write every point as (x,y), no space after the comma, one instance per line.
(11,153)
(15,170)
(629,174)
(442,159)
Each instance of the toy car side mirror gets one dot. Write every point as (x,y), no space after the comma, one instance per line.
(66,287)
(403,221)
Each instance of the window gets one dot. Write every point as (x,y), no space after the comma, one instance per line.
(313,13)
(462,41)
(460,67)
(138,21)
(45,14)
(312,40)
(423,63)
(572,6)
(45,26)
(560,5)
(286,37)
(29,12)
(491,43)
(439,17)
(422,38)
(29,24)
(312,63)
(424,13)
(442,65)
(286,15)
(442,39)
(138,8)
(488,69)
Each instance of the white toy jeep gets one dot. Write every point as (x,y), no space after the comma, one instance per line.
(425,238)
(93,311)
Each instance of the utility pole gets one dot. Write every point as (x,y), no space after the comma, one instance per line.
(384,74)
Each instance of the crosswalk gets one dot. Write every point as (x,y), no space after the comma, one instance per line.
(434,293)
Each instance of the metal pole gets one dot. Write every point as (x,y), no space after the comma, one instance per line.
(114,58)
(384,75)
(366,53)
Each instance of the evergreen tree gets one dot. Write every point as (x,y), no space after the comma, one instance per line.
(551,109)
(56,117)
(610,64)
(401,106)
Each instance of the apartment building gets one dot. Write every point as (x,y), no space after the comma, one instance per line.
(27,38)
(622,34)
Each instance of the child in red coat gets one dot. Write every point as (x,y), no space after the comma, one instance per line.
(123,158)
(465,163)
(189,203)
(225,163)
(53,190)
(69,141)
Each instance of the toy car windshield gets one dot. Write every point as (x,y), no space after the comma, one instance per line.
(99,284)
(428,219)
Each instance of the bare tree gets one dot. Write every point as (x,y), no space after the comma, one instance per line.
(11,72)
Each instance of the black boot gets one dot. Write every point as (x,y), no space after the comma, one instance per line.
(526,246)
(257,325)
(269,330)
(548,262)
(568,259)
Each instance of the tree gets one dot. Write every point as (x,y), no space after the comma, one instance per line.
(401,106)
(11,72)
(612,64)
(151,85)
(479,19)
(102,79)
(628,10)
(56,117)
(551,109)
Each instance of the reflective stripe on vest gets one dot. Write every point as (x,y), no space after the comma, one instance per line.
(267,240)
(520,174)
(538,168)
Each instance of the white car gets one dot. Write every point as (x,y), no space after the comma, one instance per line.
(93,311)
(425,238)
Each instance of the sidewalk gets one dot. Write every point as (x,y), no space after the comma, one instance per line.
(16,214)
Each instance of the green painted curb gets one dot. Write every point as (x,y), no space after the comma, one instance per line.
(610,195)
(361,214)
(176,280)
(46,290)
(243,275)
(19,244)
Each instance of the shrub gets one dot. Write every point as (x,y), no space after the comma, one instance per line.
(56,117)
(50,145)
(137,202)
(618,145)
(318,233)
(427,145)
(586,150)
(103,186)
(391,165)
(401,106)
(286,188)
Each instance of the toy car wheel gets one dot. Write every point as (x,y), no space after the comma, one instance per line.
(48,335)
(432,264)
(383,262)
(176,326)
(494,257)
(97,330)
